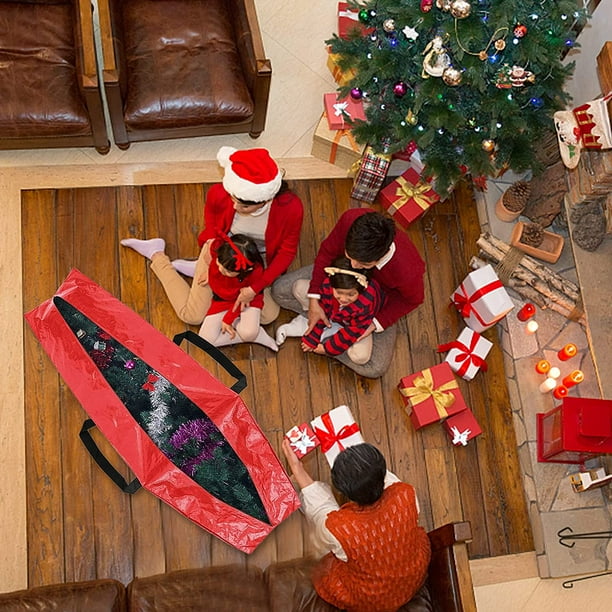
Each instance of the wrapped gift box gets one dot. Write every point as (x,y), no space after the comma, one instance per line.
(431,395)
(348,20)
(481,299)
(336,430)
(302,439)
(372,171)
(408,197)
(341,77)
(462,427)
(341,112)
(337,147)
(466,355)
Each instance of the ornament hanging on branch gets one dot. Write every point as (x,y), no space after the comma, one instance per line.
(520,30)
(460,9)
(488,145)
(451,76)
(436,59)
(513,76)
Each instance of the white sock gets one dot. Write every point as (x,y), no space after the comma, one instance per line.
(264,338)
(146,248)
(293,329)
(185,266)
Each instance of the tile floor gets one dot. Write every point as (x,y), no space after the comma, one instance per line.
(300,79)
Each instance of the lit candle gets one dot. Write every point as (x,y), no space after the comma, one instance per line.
(531,327)
(554,372)
(526,312)
(548,385)
(560,392)
(574,378)
(542,367)
(567,352)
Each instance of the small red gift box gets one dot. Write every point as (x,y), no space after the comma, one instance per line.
(462,427)
(341,112)
(302,439)
(408,197)
(466,355)
(348,20)
(432,395)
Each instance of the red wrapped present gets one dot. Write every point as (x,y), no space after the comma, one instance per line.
(408,197)
(462,427)
(348,21)
(336,430)
(466,354)
(432,395)
(302,439)
(341,112)
(481,299)
(342,77)
(372,171)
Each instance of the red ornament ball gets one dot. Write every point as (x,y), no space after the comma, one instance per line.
(356,93)
(400,89)
(520,30)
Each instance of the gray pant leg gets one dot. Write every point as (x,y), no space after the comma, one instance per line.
(282,288)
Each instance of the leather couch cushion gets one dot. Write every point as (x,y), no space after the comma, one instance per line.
(89,596)
(183,66)
(230,588)
(38,85)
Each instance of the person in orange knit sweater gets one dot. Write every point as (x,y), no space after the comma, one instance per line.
(377,555)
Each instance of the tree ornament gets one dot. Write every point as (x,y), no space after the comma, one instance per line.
(482,56)
(500,44)
(488,145)
(426,5)
(364,16)
(436,59)
(519,30)
(460,9)
(411,117)
(389,25)
(410,33)
(443,5)
(400,89)
(356,93)
(451,76)
(513,76)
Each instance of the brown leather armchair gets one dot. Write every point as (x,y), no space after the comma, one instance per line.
(49,91)
(183,68)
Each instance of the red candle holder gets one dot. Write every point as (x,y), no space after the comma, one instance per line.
(542,367)
(567,352)
(560,392)
(526,312)
(575,378)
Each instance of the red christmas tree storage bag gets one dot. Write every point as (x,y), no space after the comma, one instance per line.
(189,439)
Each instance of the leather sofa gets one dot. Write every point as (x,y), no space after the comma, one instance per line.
(282,587)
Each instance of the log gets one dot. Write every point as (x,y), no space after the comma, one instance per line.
(497,249)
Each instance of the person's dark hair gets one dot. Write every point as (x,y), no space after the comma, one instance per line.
(227,256)
(359,473)
(347,281)
(282,189)
(369,237)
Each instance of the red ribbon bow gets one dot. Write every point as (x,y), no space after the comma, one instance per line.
(465,354)
(465,304)
(328,436)
(149,385)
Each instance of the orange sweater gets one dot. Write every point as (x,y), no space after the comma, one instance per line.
(388,554)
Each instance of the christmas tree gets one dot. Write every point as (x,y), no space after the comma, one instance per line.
(473,84)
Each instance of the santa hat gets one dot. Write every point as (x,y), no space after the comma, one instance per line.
(250,174)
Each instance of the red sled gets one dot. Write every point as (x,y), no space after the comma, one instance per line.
(188,439)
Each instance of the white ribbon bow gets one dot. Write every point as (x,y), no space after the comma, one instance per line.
(460,437)
(302,442)
(349,15)
(340,109)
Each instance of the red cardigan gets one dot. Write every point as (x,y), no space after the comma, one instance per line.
(401,279)
(282,234)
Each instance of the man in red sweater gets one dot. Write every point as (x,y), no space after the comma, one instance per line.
(370,240)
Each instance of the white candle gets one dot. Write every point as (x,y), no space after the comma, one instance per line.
(531,327)
(554,372)
(548,385)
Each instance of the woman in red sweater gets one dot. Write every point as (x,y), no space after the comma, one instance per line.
(252,200)
(377,555)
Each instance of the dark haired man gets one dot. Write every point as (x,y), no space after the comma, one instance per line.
(377,555)
(370,240)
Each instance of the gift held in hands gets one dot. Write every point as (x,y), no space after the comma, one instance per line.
(302,439)
(481,299)
(466,354)
(336,430)
(432,395)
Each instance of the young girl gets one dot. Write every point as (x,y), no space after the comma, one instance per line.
(350,301)
(236,263)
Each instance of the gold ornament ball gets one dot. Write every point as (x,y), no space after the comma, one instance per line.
(411,117)
(452,76)
(500,44)
(488,145)
(389,25)
(460,9)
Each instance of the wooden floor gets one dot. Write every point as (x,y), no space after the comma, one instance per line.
(80,526)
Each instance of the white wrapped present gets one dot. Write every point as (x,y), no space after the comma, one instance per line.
(336,430)
(466,355)
(481,299)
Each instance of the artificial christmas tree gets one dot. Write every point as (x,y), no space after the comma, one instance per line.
(474,84)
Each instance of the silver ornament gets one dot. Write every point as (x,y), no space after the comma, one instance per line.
(451,76)
(389,25)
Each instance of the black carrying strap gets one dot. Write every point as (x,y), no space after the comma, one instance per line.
(217,355)
(103,462)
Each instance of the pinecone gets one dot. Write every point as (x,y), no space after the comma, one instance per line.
(532,234)
(517,196)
